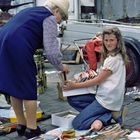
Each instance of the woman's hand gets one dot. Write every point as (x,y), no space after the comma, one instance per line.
(66,68)
(68,85)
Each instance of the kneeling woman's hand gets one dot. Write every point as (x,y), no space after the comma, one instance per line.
(68,85)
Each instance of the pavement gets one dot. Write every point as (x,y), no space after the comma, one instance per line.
(50,103)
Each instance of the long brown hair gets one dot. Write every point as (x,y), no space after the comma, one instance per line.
(120,45)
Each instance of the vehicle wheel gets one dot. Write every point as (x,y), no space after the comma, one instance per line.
(132,69)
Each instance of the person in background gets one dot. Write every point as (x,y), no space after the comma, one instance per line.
(92,50)
(29,30)
(96,109)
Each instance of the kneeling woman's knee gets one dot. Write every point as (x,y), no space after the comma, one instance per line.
(78,126)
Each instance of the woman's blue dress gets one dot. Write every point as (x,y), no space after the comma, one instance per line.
(19,39)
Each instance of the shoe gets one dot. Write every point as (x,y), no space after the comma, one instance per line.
(20,129)
(114,128)
(119,116)
(30,133)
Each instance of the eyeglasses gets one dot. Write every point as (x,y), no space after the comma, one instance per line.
(63,15)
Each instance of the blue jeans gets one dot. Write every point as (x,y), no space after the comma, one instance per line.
(90,110)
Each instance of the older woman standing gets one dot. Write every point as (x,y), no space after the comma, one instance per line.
(30,29)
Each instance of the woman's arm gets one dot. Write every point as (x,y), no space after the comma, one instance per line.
(50,42)
(88,83)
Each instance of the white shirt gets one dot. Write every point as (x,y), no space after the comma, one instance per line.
(110,93)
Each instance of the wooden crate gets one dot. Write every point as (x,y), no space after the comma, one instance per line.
(58,78)
(73,60)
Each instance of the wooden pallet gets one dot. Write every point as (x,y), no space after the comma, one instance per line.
(76,61)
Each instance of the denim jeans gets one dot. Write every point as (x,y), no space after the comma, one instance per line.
(90,110)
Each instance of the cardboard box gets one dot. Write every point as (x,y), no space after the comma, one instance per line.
(80,91)
(54,76)
(60,92)
(59,78)
(63,119)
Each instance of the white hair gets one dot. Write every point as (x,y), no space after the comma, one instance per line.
(49,4)
(63,5)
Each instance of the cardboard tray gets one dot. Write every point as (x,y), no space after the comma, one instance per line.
(63,119)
